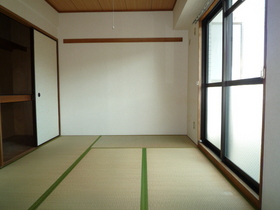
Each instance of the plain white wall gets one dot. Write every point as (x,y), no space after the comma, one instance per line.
(122,88)
(193,78)
(37,12)
(271,170)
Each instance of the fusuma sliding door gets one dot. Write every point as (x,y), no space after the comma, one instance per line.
(233,77)
(46,87)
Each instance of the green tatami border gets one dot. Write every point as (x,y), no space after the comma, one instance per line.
(60,179)
(144,182)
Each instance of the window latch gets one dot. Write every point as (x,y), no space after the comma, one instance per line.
(263,73)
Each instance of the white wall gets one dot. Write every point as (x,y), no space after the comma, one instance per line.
(37,12)
(122,88)
(271,170)
(193,78)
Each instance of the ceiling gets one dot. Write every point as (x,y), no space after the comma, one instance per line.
(111,5)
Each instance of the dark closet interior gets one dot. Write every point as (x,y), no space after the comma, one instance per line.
(17,107)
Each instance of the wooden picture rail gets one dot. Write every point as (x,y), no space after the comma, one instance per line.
(123,40)
(14,98)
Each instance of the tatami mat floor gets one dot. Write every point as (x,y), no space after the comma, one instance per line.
(116,172)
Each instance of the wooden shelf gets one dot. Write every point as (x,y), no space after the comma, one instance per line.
(17,131)
(15,98)
(15,147)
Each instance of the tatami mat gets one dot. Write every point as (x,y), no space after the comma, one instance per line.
(24,181)
(104,179)
(185,179)
(144,142)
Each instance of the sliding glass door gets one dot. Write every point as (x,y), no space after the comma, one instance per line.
(213,79)
(233,76)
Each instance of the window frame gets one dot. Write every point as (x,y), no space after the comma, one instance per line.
(226,82)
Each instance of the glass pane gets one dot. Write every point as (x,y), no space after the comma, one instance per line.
(233,2)
(213,115)
(244,130)
(248,40)
(215,46)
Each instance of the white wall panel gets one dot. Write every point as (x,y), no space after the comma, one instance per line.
(122,88)
(193,88)
(271,169)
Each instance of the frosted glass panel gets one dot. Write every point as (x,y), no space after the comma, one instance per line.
(213,116)
(215,46)
(248,40)
(243,145)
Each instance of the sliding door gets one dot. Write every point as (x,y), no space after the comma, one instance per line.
(46,88)
(213,80)
(233,85)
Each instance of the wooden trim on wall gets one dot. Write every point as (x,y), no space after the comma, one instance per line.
(236,181)
(199,81)
(21,20)
(98,11)
(123,40)
(15,98)
(58,89)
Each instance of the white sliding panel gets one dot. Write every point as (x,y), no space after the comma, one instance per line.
(45,60)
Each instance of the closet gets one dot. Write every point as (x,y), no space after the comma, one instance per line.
(25,113)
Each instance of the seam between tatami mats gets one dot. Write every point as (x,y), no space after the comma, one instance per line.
(144,182)
(144,185)
(144,175)
(144,148)
(61,178)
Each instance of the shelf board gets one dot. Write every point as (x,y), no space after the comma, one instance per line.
(16,146)
(15,98)
(17,156)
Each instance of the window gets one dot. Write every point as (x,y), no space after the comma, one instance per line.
(232,86)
